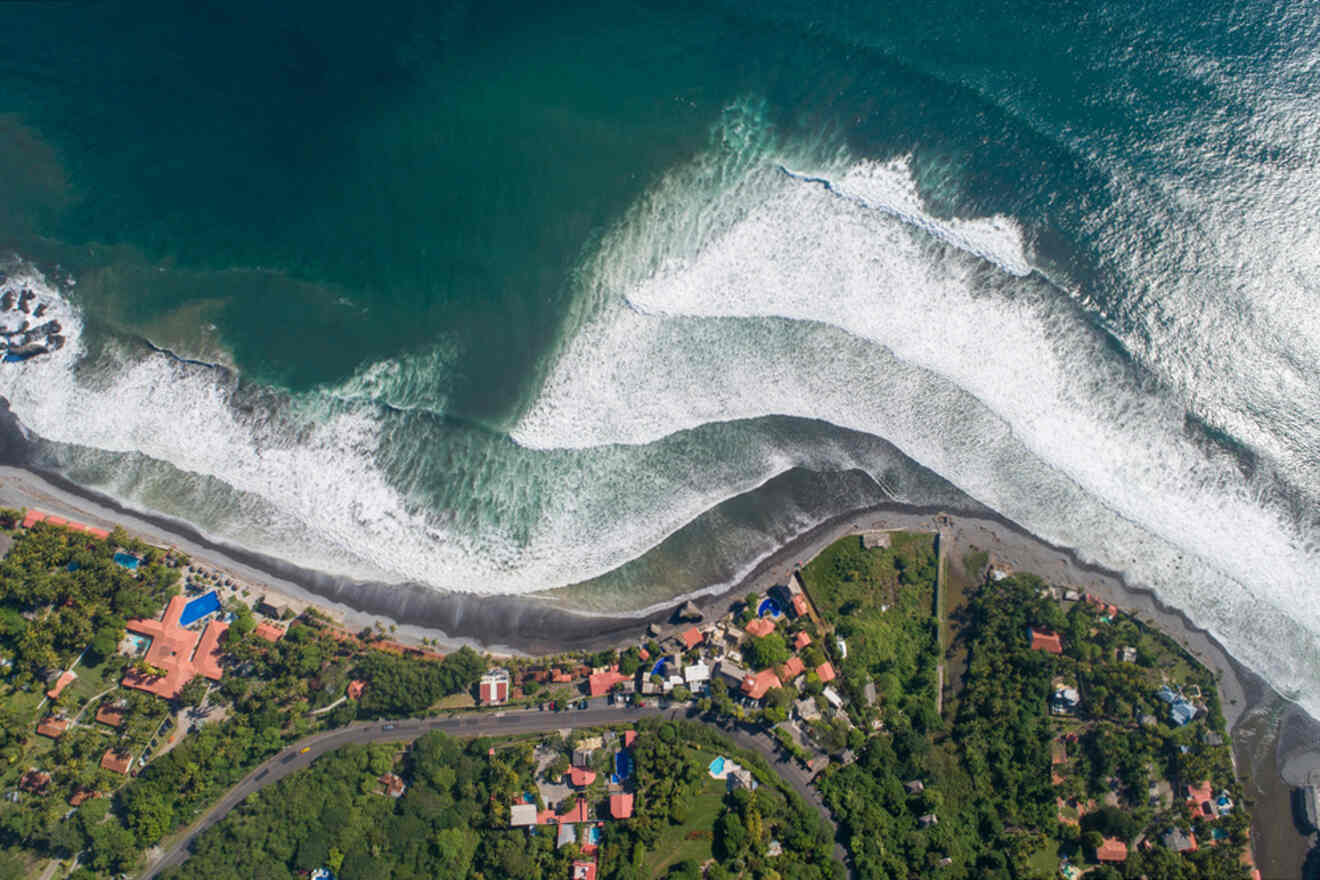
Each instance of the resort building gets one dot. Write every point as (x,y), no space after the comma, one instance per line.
(116,762)
(621,806)
(696,675)
(792,669)
(760,627)
(691,638)
(800,641)
(757,686)
(825,672)
(601,683)
(180,653)
(1044,640)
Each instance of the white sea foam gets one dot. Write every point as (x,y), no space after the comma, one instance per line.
(993,381)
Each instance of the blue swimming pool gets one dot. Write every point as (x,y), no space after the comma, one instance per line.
(199,608)
(717,766)
(138,642)
(769,606)
(127,560)
(659,667)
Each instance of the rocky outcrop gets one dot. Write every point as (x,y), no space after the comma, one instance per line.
(19,340)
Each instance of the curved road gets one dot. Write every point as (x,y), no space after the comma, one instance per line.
(514,721)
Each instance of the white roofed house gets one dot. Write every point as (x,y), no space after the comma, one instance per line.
(697,675)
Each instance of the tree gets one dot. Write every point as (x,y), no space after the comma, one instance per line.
(769,650)
(192,693)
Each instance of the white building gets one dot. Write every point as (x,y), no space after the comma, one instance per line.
(696,675)
(833,696)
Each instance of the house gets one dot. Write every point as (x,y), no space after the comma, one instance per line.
(269,631)
(567,834)
(833,696)
(601,683)
(847,756)
(760,627)
(356,688)
(1064,700)
(578,813)
(66,678)
(1127,654)
(1111,850)
(801,640)
(775,848)
(696,675)
(584,870)
(494,687)
(53,727)
(629,737)
(914,786)
(110,714)
(792,669)
(270,609)
(928,820)
(82,795)
(1181,711)
(825,672)
(1044,640)
(34,782)
(842,647)
(806,709)
(756,686)
(621,806)
(394,785)
(1072,596)
(116,762)
(868,693)
(691,637)
(585,748)
(580,777)
(522,815)
(731,672)
(799,604)
(1201,799)
(741,777)
(1178,840)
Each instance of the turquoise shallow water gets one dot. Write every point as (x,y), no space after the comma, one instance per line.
(508,297)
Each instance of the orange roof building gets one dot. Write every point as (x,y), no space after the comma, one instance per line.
(602,683)
(82,795)
(800,641)
(578,813)
(1112,850)
(1044,640)
(66,678)
(269,631)
(53,727)
(621,806)
(177,651)
(756,686)
(583,870)
(356,687)
(825,672)
(792,669)
(799,604)
(580,777)
(116,762)
(761,627)
(1201,798)
(34,782)
(691,638)
(629,737)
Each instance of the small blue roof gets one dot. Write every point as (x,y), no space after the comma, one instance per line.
(1182,711)
(1167,694)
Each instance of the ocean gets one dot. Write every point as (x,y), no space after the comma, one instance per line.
(613,299)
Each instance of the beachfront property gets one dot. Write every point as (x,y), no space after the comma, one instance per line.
(176,654)
(493,689)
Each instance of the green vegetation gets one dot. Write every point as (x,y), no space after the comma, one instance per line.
(453,819)
(989,775)
(63,600)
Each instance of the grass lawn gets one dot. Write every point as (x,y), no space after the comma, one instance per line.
(675,844)
(456,701)
(1046,862)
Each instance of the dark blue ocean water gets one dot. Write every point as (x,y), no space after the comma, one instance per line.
(506,297)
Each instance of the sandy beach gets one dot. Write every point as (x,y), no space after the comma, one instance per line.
(526,625)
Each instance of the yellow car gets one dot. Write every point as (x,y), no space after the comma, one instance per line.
(304,750)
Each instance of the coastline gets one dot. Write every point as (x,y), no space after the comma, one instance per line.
(508,625)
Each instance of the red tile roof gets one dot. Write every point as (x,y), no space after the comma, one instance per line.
(269,631)
(691,638)
(761,627)
(578,813)
(115,762)
(82,795)
(1044,640)
(621,806)
(756,686)
(110,714)
(825,672)
(601,682)
(1112,850)
(56,521)
(1200,797)
(799,604)
(177,651)
(644,654)
(34,781)
(792,669)
(53,727)
(581,777)
(32,518)
(66,678)
(584,871)
(356,687)
(800,641)
(629,737)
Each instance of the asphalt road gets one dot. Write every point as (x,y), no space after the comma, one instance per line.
(301,754)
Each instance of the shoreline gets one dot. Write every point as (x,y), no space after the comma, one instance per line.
(522,625)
